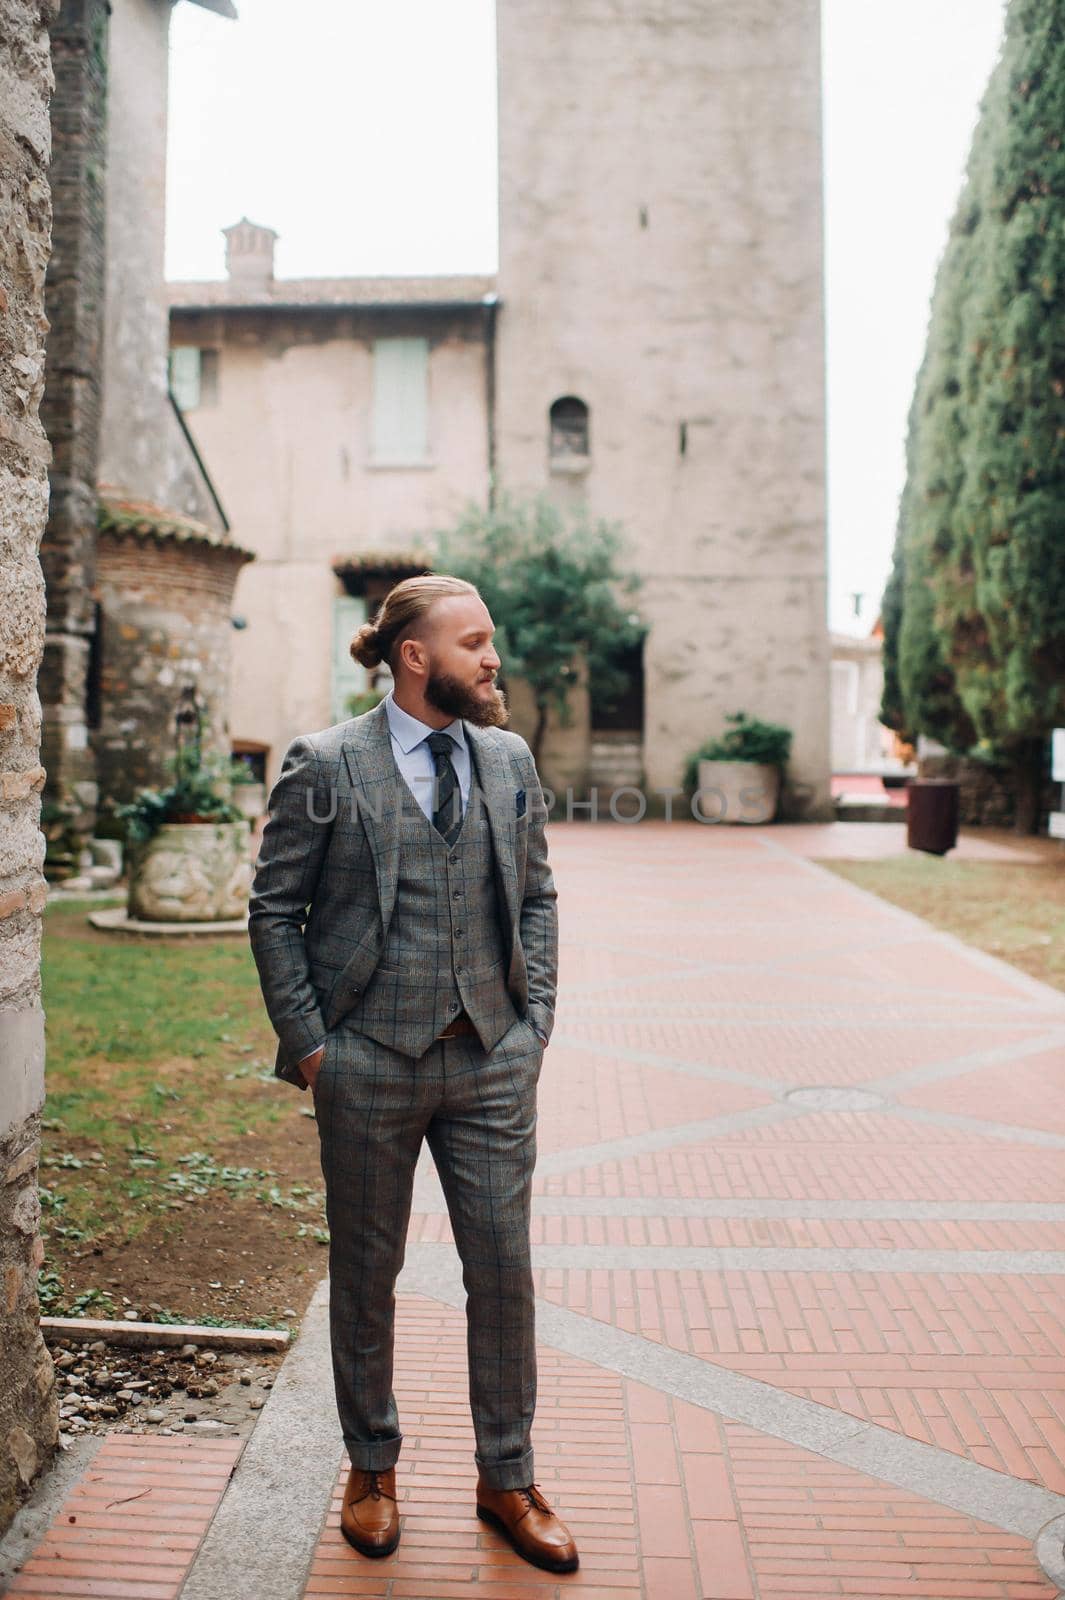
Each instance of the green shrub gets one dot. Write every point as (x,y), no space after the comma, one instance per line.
(748,739)
(200,790)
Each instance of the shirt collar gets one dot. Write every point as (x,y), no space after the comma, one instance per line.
(409,731)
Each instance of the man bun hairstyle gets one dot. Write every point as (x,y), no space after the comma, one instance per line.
(400,611)
(365,646)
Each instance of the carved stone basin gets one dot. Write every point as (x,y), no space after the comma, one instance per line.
(191,872)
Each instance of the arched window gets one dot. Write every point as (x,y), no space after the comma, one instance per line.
(569,428)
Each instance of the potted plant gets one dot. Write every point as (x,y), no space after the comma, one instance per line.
(188,845)
(737,776)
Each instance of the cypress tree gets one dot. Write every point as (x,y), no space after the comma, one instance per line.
(1000,585)
(892,710)
(920,694)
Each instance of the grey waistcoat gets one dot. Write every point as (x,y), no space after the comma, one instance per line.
(444,951)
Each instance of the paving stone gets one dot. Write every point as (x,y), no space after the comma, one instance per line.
(869,1272)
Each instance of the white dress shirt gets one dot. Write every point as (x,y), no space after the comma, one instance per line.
(415,759)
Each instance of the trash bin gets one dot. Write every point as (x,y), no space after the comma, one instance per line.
(932,815)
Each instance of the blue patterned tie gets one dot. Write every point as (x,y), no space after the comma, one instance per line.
(447,817)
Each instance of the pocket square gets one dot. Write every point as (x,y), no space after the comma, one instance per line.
(519,803)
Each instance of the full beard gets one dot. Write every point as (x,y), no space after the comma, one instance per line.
(458,699)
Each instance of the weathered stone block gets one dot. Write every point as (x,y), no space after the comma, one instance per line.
(20,957)
(191,872)
(43,1372)
(23,636)
(26,1212)
(28,1411)
(14,1278)
(24,1162)
(11,901)
(17,785)
(21,845)
(23,1452)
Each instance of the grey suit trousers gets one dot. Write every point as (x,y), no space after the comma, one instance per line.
(477,1110)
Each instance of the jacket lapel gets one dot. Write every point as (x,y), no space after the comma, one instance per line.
(374,780)
(491,773)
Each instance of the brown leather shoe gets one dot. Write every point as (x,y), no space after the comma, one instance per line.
(524,1517)
(369,1516)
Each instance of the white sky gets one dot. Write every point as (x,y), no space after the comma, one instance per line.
(364,132)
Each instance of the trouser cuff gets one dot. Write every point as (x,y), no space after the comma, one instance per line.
(376,1456)
(514,1473)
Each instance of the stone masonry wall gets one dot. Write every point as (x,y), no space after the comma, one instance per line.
(71,410)
(660,257)
(165,621)
(143,452)
(28,1412)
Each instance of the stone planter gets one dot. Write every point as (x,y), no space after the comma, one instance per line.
(737,791)
(191,872)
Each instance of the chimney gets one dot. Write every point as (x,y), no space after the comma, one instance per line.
(250,252)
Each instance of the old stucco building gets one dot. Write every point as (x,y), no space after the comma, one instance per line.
(860,742)
(653,345)
(29,1418)
(344,420)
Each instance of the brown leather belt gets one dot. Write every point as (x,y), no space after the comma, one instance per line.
(461,1024)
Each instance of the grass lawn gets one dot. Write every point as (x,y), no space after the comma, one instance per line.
(179,1177)
(1016,912)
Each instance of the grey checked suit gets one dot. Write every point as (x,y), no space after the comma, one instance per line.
(369,930)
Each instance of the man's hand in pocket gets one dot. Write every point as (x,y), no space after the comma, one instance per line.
(310,1066)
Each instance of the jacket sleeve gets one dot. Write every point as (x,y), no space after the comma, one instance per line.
(538,925)
(290,861)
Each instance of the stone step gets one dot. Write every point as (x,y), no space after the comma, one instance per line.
(867,808)
(615,762)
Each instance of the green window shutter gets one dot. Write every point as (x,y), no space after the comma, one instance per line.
(349,613)
(185,376)
(400,402)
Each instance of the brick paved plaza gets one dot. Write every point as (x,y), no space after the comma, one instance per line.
(800,1260)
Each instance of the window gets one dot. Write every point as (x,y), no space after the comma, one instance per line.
(349,678)
(569,429)
(193,376)
(400,403)
(252,756)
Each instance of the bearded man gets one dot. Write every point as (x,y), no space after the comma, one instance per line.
(403,920)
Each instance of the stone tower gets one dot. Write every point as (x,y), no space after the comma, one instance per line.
(661,336)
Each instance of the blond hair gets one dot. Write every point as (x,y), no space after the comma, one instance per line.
(402,608)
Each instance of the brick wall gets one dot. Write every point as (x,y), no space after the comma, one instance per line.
(28,1411)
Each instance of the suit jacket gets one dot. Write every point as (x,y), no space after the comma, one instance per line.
(325,881)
